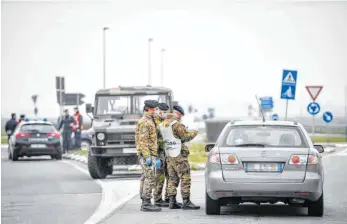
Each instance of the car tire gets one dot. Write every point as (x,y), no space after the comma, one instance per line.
(57,157)
(9,153)
(85,145)
(97,166)
(212,207)
(316,208)
(14,157)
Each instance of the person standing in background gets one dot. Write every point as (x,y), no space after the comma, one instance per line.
(77,128)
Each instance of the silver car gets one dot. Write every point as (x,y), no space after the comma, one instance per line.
(264,162)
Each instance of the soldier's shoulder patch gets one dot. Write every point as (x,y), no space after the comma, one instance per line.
(143,128)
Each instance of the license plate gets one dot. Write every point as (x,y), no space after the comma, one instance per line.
(263,167)
(129,150)
(38,139)
(38,146)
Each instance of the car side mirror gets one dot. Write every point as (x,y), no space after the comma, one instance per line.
(89,108)
(208,147)
(319,148)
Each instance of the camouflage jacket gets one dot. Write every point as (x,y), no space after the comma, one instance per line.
(180,132)
(146,137)
(157,121)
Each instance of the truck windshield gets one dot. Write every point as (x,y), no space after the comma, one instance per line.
(120,105)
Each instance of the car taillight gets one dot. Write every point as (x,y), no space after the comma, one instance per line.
(298,160)
(230,159)
(22,135)
(214,157)
(312,160)
(55,135)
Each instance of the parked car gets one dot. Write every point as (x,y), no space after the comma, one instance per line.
(86,139)
(264,162)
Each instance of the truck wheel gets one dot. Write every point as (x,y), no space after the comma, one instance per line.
(97,167)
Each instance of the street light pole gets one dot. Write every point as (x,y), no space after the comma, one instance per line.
(150,40)
(162,67)
(104,56)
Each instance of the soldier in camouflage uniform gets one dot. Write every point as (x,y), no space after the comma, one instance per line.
(161,173)
(175,135)
(146,146)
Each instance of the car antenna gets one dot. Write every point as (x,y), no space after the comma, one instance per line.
(262,114)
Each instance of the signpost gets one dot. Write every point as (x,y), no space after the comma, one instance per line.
(266,104)
(288,89)
(60,88)
(327,118)
(72,99)
(314,92)
(313,109)
(34,98)
(275,117)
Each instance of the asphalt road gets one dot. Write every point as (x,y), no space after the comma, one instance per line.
(41,191)
(335,192)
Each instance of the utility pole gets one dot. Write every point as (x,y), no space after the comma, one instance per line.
(150,40)
(104,56)
(162,67)
(345,101)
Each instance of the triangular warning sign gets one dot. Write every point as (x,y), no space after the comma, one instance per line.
(289,78)
(314,91)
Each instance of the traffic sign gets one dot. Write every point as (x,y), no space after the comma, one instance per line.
(266,103)
(313,108)
(275,117)
(36,111)
(314,91)
(60,88)
(328,117)
(288,89)
(71,99)
(34,97)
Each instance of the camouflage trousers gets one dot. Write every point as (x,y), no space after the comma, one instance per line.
(159,178)
(179,171)
(147,182)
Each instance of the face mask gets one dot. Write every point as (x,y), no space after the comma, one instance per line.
(163,116)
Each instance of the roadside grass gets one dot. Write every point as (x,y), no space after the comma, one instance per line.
(330,139)
(81,152)
(4,140)
(197,153)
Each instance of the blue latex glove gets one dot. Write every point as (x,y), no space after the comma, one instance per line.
(157,163)
(148,161)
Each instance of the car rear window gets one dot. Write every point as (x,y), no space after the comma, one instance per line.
(42,128)
(268,135)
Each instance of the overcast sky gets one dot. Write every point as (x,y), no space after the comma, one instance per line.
(219,53)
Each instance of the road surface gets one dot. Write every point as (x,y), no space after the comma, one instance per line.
(41,191)
(335,192)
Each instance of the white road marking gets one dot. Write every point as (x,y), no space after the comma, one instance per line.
(114,195)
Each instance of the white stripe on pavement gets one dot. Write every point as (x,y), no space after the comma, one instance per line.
(114,195)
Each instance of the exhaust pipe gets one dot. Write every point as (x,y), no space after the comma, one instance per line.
(297,201)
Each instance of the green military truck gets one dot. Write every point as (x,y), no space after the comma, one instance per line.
(116,112)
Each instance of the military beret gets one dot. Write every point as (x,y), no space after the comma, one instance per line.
(163,106)
(179,109)
(151,103)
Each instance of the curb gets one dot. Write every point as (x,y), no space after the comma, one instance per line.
(84,159)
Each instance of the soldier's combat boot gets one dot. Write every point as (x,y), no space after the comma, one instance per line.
(173,203)
(167,200)
(188,205)
(147,206)
(161,203)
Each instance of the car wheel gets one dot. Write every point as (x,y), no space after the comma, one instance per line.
(316,208)
(85,145)
(9,153)
(212,207)
(14,157)
(58,156)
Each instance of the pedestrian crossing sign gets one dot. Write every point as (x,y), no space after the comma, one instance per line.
(289,79)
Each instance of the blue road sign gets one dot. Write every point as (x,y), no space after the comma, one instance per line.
(313,108)
(275,117)
(328,117)
(288,88)
(266,103)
